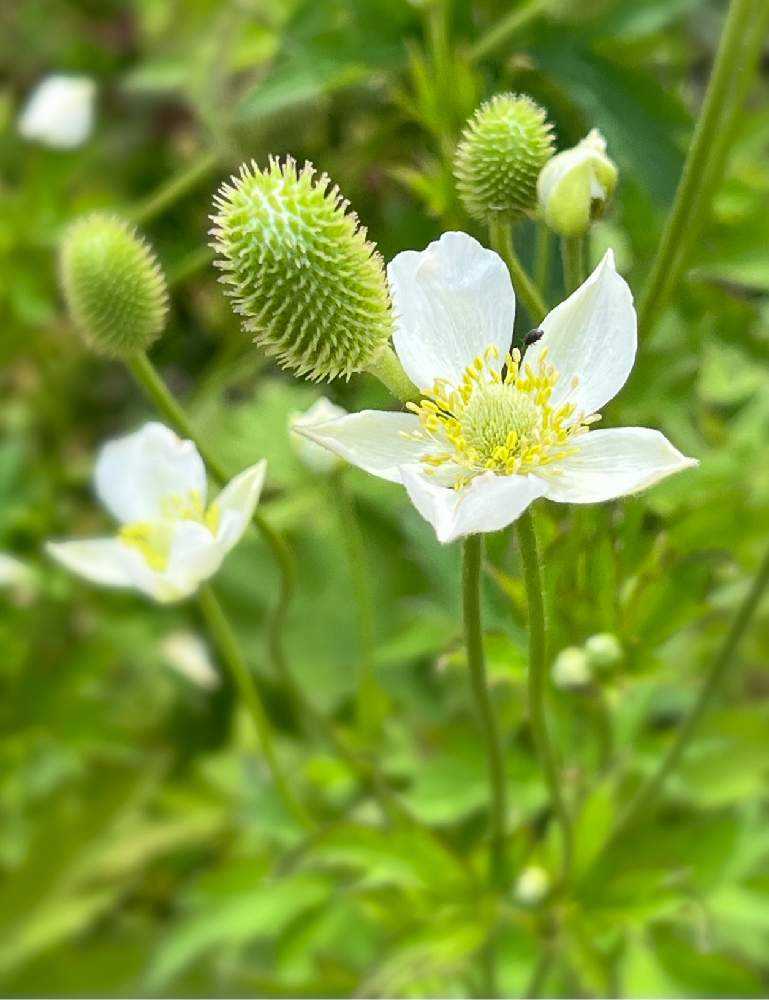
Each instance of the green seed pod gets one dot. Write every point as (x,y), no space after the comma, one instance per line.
(502,150)
(113,285)
(299,270)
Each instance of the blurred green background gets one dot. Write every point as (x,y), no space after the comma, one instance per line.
(142,849)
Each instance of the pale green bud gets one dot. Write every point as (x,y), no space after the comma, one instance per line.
(532,885)
(502,150)
(296,263)
(575,186)
(571,669)
(604,651)
(113,285)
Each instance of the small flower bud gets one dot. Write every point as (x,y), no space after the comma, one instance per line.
(604,651)
(314,456)
(502,150)
(571,669)
(300,272)
(113,285)
(532,885)
(575,186)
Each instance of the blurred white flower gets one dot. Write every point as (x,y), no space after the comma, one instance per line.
(494,432)
(169,542)
(186,652)
(532,885)
(571,669)
(17,577)
(574,186)
(59,112)
(314,456)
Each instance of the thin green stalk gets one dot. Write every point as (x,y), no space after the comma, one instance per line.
(733,70)
(542,256)
(227,643)
(501,237)
(532,576)
(471,615)
(369,694)
(646,797)
(175,188)
(388,369)
(153,385)
(521,15)
(573,257)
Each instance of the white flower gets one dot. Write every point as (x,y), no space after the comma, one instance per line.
(189,656)
(493,433)
(316,458)
(169,542)
(532,885)
(59,112)
(574,186)
(604,651)
(571,669)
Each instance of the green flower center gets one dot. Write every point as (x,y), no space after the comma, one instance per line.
(497,416)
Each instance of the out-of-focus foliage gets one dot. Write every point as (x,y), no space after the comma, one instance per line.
(142,848)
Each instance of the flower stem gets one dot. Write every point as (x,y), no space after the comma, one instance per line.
(646,797)
(229,649)
(369,695)
(733,69)
(388,369)
(501,237)
(156,389)
(177,187)
(573,257)
(532,575)
(504,29)
(471,614)
(542,256)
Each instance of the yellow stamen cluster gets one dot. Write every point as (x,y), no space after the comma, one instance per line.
(499,422)
(153,539)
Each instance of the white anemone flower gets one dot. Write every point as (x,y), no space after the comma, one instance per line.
(313,456)
(169,541)
(494,432)
(60,111)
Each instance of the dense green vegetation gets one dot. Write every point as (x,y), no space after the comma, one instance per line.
(143,847)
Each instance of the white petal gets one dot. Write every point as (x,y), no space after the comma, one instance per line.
(592,335)
(452,302)
(612,463)
(236,504)
(488,503)
(59,112)
(194,557)
(137,473)
(100,560)
(317,459)
(373,440)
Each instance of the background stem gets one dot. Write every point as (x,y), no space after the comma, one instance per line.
(741,40)
(229,649)
(501,237)
(532,576)
(647,796)
(573,257)
(175,188)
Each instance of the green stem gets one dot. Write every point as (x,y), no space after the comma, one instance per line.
(156,389)
(501,236)
(388,369)
(369,695)
(504,29)
(573,257)
(174,189)
(646,797)
(471,614)
(542,256)
(734,66)
(228,646)
(527,541)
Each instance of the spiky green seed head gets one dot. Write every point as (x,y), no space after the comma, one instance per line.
(297,266)
(502,150)
(113,285)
